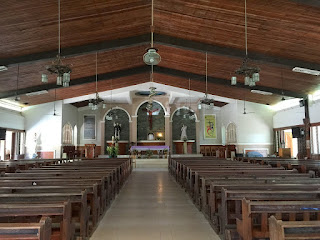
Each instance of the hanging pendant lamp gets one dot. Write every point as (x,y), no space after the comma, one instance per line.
(251,73)
(152,57)
(57,67)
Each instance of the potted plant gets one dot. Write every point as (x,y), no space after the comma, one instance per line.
(112,151)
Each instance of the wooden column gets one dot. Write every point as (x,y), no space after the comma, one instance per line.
(307,128)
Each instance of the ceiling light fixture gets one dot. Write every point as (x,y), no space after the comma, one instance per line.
(306,71)
(94,103)
(3,68)
(151,57)
(251,73)
(36,93)
(261,92)
(62,71)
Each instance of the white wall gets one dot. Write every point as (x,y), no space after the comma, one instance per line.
(288,117)
(11,119)
(315,112)
(256,126)
(39,120)
(294,116)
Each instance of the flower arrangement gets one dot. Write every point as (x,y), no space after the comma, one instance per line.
(149,153)
(112,151)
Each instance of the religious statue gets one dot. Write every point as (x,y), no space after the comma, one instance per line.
(184,133)
(117,130)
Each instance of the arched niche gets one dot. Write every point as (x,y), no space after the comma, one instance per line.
(182,117)
(144,119)
(67,134)
(120,116)
(231,133)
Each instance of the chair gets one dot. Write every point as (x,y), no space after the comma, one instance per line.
(207,151)
(202,151)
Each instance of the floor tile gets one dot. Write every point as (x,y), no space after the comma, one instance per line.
(152,205)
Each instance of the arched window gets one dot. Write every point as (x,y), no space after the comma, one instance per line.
(67,134)
(231,133)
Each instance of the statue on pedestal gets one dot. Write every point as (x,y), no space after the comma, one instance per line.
(117,130)
(184,136)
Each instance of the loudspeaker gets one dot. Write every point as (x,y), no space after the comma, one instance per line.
(297,132)
(3,134)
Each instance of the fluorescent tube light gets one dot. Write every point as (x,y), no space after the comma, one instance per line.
(3,68)
(36,93)
(261,92)
(306,71)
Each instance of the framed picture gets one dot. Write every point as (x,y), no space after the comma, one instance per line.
(89,127)
(210,128)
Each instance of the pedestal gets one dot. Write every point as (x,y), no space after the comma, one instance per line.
(89,150)
(179,145)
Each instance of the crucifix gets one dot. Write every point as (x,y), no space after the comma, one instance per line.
(150,112)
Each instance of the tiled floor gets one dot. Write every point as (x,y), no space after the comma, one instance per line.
(151,206)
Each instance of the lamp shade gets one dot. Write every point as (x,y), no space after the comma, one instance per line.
(44,78)
(256,77)
(233,80)
(247,80)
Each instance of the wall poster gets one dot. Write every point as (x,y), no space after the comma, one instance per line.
(89,127)
(210,129)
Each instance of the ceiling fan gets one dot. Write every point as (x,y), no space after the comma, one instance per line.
(54,105)
(244,108)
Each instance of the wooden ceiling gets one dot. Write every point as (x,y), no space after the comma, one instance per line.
(282,34)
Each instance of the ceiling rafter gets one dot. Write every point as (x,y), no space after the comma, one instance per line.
(145,69)
(162,40)
(313,3)
(186,75)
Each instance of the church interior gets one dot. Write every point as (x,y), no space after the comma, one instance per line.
(158,119)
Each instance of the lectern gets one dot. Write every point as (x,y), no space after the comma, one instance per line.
(89,150)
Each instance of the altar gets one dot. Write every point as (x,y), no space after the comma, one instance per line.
(160,150)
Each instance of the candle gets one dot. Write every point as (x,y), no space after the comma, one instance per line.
(112,139)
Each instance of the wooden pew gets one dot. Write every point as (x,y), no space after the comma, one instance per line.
(26,231)
(281,230)
(78,201)
(230,208)
(254,221)
(60,212)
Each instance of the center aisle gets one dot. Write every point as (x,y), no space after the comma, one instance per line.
(152,206)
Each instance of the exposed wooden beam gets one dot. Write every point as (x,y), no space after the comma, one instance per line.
(220,81)
(78,50)
(78,81)
(231,52)
(163,40)
(313,3)
(144,69)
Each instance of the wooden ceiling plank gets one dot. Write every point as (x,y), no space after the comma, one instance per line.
(78,50)
(231,52)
